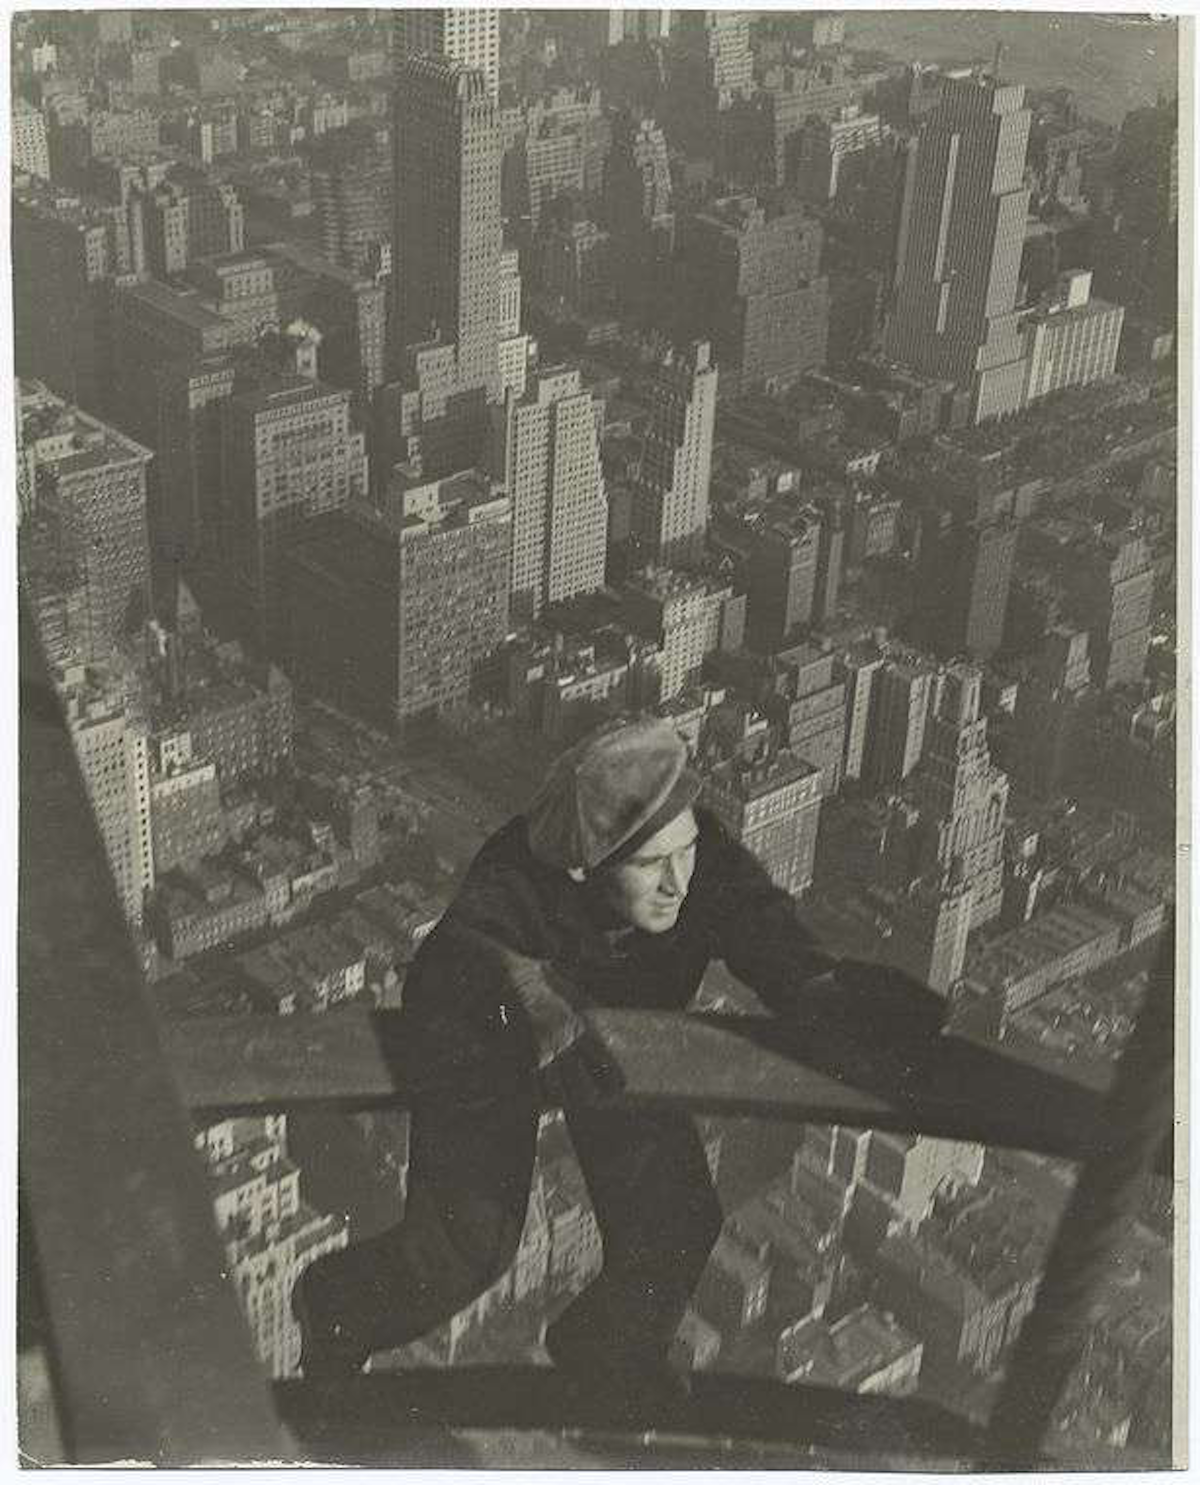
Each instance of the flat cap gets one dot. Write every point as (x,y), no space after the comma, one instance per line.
(616,787)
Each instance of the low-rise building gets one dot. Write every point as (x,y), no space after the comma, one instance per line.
(864,1351)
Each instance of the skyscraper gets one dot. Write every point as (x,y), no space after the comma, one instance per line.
(391,611)
(900,697)
(352,197)
(448,238)
(458,34)
(781,575)
(964,577)
(288,452)
(637,207)
(546,450)
(1049,713)
(711,67)
(670,510)
(30,151)
(856,670)
(962,797)
(962,230)
(748,278)
(772,806)
(88,515)
(1114,596)
(113,753)
(66,253)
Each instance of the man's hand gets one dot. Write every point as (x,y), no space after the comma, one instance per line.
(874,1002)
(583,1075)
(572,1062)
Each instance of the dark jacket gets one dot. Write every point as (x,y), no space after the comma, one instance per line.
(496,987)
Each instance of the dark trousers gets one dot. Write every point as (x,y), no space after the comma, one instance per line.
(469,1178)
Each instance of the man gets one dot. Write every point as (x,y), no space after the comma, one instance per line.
(614,888)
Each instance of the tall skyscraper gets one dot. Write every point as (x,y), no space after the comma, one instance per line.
(458,34)
(962,797)
(781,575)
(66,253)
(930,928)
(683,615)
(963,581)
(390,612)
(962,230)
(448,237)
(352,198)
(1049,713)
(711,67)
(856,670)
(900,699)
(748,278)
(811,712)
(113,753)
(637,209)
(87,515)
(546,450)
(670,510)
(1113,596)
(288,452)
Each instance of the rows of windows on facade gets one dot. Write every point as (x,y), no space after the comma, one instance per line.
(401,393)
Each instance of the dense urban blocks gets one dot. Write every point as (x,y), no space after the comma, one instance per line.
(402,394)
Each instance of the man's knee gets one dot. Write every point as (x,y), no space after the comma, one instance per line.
(485,1236)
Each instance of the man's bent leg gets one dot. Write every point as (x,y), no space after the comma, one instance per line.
(659,1218)
(468,1192)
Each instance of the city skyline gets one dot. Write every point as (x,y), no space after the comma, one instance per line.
(400,395)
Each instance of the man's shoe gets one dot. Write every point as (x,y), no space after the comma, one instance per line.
(641,1386)
(327,1352)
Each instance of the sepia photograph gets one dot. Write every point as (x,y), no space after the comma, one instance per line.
(603,734)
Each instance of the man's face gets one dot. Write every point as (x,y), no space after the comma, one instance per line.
(647,890)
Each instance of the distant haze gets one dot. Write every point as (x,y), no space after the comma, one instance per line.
(1111,63)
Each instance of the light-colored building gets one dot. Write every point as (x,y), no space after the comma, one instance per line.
(962,231)
(1072,339)
(113,753)
(546,452)
(269,1232)
(459,34)
(670,508)
(30,151)
(682,614)
(962,797)
(772,806)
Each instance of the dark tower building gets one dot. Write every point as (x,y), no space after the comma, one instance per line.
(447,239)
(964,575)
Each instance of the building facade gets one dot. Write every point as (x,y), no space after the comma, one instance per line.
(962,230)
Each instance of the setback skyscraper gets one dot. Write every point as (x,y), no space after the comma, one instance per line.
(546,451)
(670,512)
(447,238)
(962,230)
(467,35)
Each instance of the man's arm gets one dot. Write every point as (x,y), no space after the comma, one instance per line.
(757,930)
(763,942)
